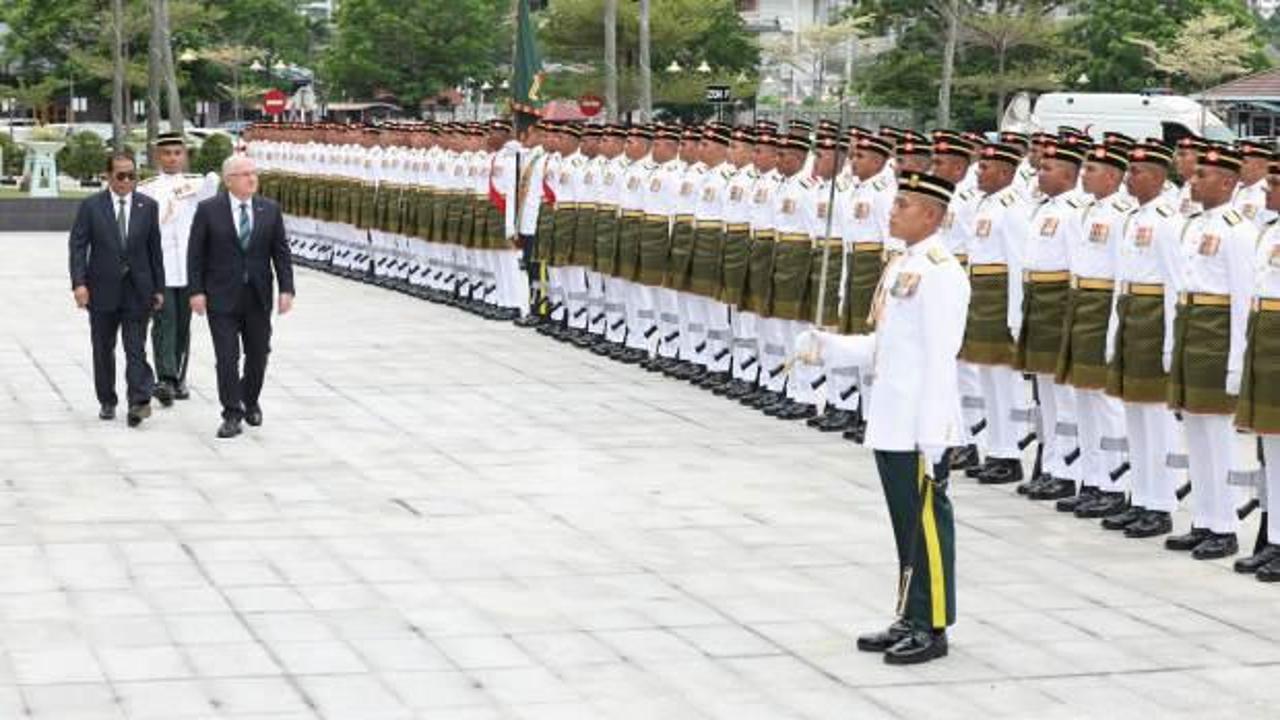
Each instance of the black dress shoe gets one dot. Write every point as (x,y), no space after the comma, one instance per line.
(1153,523)
(180,391)
(1217,546)
(1056,490)
(1083,495)
(1270,572)
(1187,542)
(1122,520)
(107,412)
(1034,483)
(1255,562)
(253,416)
(138,413)
(1104,504)
(229,428)
(783,403)
(856,433)
(798,411)
(816,419)
(164,393)
(976,471)
(837,421)
(885,639)
(919,646)
(965,457)
(530,320)
(1001,471)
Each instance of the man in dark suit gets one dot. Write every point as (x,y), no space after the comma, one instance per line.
(237,238)
(117,274)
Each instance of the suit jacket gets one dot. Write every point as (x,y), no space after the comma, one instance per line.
(219,268)
(117,280)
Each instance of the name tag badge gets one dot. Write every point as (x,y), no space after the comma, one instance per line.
(1049,227)
(608,179)
(861,211)
(788,206)
(735,194)
(762,197)
(905,285)
(564,178)
(1144,236)
(1098,233)
(822,209)
(655,185)
(983,229)
(1209,245)
(686,188)
(633,184)
(1274,259)
(708,194)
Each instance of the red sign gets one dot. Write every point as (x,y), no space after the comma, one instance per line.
(590,105)
(273,102)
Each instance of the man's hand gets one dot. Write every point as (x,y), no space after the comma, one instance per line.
(81,294)
(157,302)
(284,303)
(198,304)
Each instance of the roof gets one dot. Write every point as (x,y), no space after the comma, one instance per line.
(562,110)
(1264,85)
(357,106)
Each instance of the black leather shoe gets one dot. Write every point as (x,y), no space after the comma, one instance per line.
(106,412)
(138,413)
(773,409)
(1255,562)
(1152,524)
(1217,546)
(253,416)
(1001,471)
(1056,490)
(837,421)
(1120,521)
(164,393)
(919,646)
(180,391)
(885,639)
(857,433)
(1105,504)
(229,429)
(976,471)
(1187,542)
(1035,483)
(798,411)
(530,320)
(814,421)
(965,457)
(1270,572)
(1083,496)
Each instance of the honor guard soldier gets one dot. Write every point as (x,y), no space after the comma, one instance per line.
(994,238)
(732,333)
(177,194)
(655,248)
(915,414)
(1217,257)
(529,205)
(1258,409)
(1082,358)
(707,319)
(625,281)
(1189,149)
(673,301)
(1251,196)
(512,294)
(1051,229)
(1140,343)
(752,352)
(606,302)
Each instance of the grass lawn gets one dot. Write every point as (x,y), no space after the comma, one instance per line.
(9,193)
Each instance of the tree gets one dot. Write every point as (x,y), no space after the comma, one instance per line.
(809,49)
(951,11)
(1002,34)
(412,49)
(118,108)
(82,156)
(1210,47)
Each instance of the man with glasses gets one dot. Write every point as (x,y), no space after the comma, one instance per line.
(237,237)
(117,275)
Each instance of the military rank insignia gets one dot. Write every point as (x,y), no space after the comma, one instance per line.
(983,228)
(1209,245)
(1098,233)
(1144,236)
(1049,227)
(905,285)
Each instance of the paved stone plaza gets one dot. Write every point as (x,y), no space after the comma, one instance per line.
(447,517)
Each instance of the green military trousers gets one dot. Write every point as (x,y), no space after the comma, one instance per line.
(925,535)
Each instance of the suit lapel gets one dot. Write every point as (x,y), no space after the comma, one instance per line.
(133,214)
(109,211)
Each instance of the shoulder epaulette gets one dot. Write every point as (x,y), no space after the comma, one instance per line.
(806,183)
(879,184)
(1164,211)
(938,256)
(1232,217)
(966,195)
(1195,215)
(1074,203)
(1122,205)
(1008,200)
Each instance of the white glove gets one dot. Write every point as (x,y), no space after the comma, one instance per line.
(1166,360)
(933,454)
(1233,382)
(809,347)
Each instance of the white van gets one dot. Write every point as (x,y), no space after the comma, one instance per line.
(1138,115)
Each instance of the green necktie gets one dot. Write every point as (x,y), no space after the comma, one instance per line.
(122,224)
(244,226)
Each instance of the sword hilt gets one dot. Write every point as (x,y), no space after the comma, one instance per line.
(1245,510)
(819,382)
(1025,442)
(1120,471)
(978,427)
(1185,490)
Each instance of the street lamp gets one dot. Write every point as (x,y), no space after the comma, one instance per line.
(704,68)
(257,66)
(188,56)
(1083,79)
(674,67)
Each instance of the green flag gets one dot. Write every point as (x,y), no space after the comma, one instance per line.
(526,81)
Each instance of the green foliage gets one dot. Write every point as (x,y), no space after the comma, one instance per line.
(13,156)
(685,31)
(83,156)
(209,157)
(415,48)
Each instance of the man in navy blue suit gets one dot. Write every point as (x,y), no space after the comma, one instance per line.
(237,239)
(117,275)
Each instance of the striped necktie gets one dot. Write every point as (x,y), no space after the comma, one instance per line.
(244,226)
(122,224)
